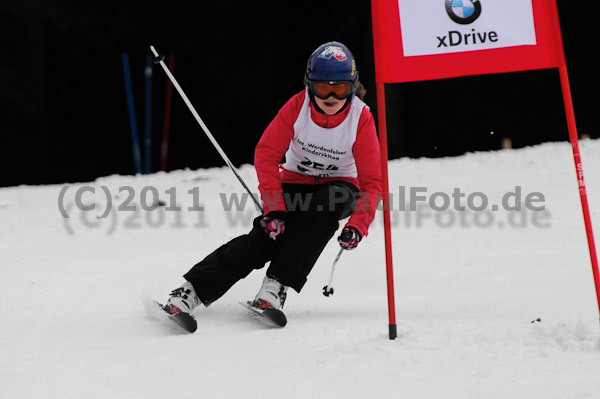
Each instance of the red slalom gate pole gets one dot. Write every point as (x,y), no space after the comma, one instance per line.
(564,80)
(393,333)
(164,149)
(573,136)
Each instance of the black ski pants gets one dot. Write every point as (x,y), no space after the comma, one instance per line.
(312,216)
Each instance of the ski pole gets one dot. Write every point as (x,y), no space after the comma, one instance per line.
(159,59)
(328,289)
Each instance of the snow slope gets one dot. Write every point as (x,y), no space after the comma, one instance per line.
(468,287)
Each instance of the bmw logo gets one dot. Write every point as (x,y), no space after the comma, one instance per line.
(463,12)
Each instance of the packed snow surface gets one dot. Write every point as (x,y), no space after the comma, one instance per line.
(489,304)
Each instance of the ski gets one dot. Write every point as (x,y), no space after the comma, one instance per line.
(272,317)
(182,319)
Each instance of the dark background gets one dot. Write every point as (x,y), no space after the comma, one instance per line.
(64,110)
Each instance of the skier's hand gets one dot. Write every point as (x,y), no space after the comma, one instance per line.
(349,238)
(273,224)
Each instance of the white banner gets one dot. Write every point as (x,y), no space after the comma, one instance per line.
(451,26)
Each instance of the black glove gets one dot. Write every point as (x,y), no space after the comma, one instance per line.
(349,238)
(273,224)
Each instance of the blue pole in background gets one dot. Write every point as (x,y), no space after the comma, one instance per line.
(132,123)
(148,141)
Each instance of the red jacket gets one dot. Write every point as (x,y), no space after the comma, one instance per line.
(275,142)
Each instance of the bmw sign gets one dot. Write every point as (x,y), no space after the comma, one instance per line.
(440,27)
(463,12)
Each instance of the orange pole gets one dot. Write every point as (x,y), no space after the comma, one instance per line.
(570,113)
(386,208)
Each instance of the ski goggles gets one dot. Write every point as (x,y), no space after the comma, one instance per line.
(324,90)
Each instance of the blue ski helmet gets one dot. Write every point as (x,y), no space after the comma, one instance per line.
(332,62)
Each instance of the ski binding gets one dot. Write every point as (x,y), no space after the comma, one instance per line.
(182,319)
(272,317)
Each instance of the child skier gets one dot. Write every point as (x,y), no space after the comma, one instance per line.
(331,171)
